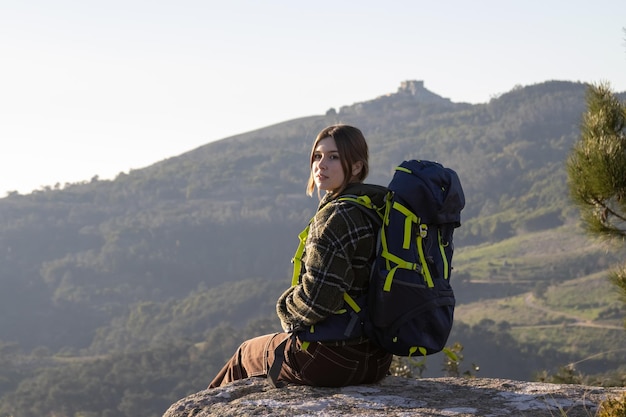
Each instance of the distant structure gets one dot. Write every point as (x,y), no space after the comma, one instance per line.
(416,89)
(411,91)
(411,86)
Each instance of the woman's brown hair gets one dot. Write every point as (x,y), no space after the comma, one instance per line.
(352,148)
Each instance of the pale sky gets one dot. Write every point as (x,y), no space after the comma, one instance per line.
(101,87)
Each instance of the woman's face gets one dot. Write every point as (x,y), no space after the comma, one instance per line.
(326,168)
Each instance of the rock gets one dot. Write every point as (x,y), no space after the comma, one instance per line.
(397,396)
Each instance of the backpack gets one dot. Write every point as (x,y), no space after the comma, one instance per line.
(410,300)
(409,308)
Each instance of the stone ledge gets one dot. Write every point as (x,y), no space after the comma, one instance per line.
(397,396)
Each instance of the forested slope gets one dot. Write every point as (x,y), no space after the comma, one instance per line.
(125,294)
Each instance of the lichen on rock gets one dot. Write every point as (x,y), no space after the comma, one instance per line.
(397,396)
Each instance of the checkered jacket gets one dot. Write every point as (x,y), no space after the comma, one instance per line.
(339,251)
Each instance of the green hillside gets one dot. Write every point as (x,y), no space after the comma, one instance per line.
(121,296)
(549,292)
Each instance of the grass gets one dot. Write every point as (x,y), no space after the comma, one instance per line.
(591,297)
(567,323)
(550,287)
(557,254)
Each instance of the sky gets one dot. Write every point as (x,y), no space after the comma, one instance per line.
(95,88)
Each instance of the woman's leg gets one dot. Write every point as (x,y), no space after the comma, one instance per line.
(253,358)
(318,365)
(338,366)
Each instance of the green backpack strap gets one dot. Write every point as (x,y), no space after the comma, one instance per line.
(374,212)
(397,262)
(297,267)
(297,257)
(382,213)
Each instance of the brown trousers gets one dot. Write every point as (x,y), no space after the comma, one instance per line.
(318,365)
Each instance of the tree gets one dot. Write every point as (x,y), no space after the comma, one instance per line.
(597,172)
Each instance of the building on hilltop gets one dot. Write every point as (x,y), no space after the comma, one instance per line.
(416,89)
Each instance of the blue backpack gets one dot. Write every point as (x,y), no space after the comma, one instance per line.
(409,308)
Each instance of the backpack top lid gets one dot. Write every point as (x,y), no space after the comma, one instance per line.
(433,193)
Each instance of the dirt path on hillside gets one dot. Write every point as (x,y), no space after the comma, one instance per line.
(529,300)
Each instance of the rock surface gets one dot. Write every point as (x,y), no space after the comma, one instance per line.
(396,396)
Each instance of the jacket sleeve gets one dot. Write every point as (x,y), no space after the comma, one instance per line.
(334,237)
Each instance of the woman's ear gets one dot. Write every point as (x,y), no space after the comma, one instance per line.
(356,168)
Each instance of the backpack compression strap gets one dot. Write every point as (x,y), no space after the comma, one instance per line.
(393,262)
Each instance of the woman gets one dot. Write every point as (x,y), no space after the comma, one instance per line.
(338,254)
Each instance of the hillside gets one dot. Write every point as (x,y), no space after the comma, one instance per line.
(149,281)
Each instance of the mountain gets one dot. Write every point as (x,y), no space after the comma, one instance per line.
(149,281)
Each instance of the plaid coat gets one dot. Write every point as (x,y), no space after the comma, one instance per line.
(339,251)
